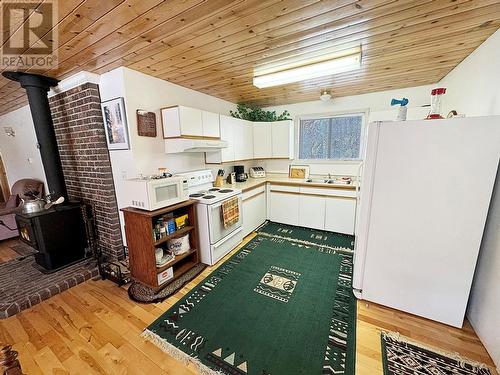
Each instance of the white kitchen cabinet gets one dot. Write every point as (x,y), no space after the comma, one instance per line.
(239,136)
(243,139)
(248,140)
(180,121)
(211,124)
(282,139)
(283,204)
(340,214)
(227,130)
(326,208)
(262,140)
(312,211)
(254,209)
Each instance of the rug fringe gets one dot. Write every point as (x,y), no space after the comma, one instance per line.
(453,355)
(336,248)
(178,354)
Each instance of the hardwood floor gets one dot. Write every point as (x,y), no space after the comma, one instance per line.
(373,318)
(94,328)
(6,252)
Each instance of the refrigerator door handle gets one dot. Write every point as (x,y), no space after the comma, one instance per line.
(362,223)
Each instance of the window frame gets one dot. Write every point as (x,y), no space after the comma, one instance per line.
(363,112)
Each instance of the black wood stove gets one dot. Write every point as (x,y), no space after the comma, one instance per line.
(59,233)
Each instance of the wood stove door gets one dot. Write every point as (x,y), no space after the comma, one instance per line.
(26,232)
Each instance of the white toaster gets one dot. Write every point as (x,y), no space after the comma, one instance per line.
(257,172)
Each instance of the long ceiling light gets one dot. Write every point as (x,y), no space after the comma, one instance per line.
(303,72)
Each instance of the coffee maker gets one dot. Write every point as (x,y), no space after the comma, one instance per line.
(241,176)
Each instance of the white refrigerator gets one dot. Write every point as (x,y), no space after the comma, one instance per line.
(424,199)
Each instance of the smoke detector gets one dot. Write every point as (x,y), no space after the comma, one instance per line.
(325,96)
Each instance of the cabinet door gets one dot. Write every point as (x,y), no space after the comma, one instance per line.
(190,120)
(243,139)
(284,207)
(254,211)
(340,214)
(262,142)
(211,124)
(171,122)
(248,140)
(238,139)
(227,134)
(282,139)
(312,211)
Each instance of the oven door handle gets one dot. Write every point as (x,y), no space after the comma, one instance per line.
(218,205)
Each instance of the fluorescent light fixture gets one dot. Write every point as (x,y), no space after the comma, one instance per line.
(312,70)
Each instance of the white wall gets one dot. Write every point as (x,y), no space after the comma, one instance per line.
(146,154)
(142,91)
(20,155)
(473,88)
(378,107)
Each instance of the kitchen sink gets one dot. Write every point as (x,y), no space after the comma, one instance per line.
(328,181)
(320,181)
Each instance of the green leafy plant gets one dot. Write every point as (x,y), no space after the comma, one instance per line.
(258,114)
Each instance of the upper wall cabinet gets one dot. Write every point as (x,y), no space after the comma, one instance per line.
(273,140)
(243,140)
(253,140)
(262,140)
(282,139)
(239,136)
(211,124)
(180,121)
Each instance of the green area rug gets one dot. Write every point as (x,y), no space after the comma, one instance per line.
(278,306)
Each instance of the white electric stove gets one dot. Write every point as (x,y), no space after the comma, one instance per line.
(215,240)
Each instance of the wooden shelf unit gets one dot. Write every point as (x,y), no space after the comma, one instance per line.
(141,244)
(176,234)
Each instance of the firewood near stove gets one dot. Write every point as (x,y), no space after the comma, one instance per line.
(9,364)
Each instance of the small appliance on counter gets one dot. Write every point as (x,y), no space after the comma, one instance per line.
(153,193)
(257,172)
(231,178)
(241,176)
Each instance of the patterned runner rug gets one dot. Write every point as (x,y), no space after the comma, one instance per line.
(277,306)
(401,357)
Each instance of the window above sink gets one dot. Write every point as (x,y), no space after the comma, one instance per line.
(331,137)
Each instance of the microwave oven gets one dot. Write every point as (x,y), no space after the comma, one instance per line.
(152,194)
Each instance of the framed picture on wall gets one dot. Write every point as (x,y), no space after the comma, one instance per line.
(115,124)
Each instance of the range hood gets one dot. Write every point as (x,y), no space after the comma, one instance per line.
(177,145)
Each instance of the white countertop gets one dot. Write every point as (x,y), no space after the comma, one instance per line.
(284,179)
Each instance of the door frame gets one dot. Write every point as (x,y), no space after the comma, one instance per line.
(4,182)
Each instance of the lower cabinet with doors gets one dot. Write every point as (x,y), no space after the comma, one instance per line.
(331,209)
(312,211)
(283,204)
(254,209)
(340,214)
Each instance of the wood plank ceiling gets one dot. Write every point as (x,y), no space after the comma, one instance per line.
(213,45)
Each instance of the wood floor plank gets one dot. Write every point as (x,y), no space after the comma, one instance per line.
(48,362)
